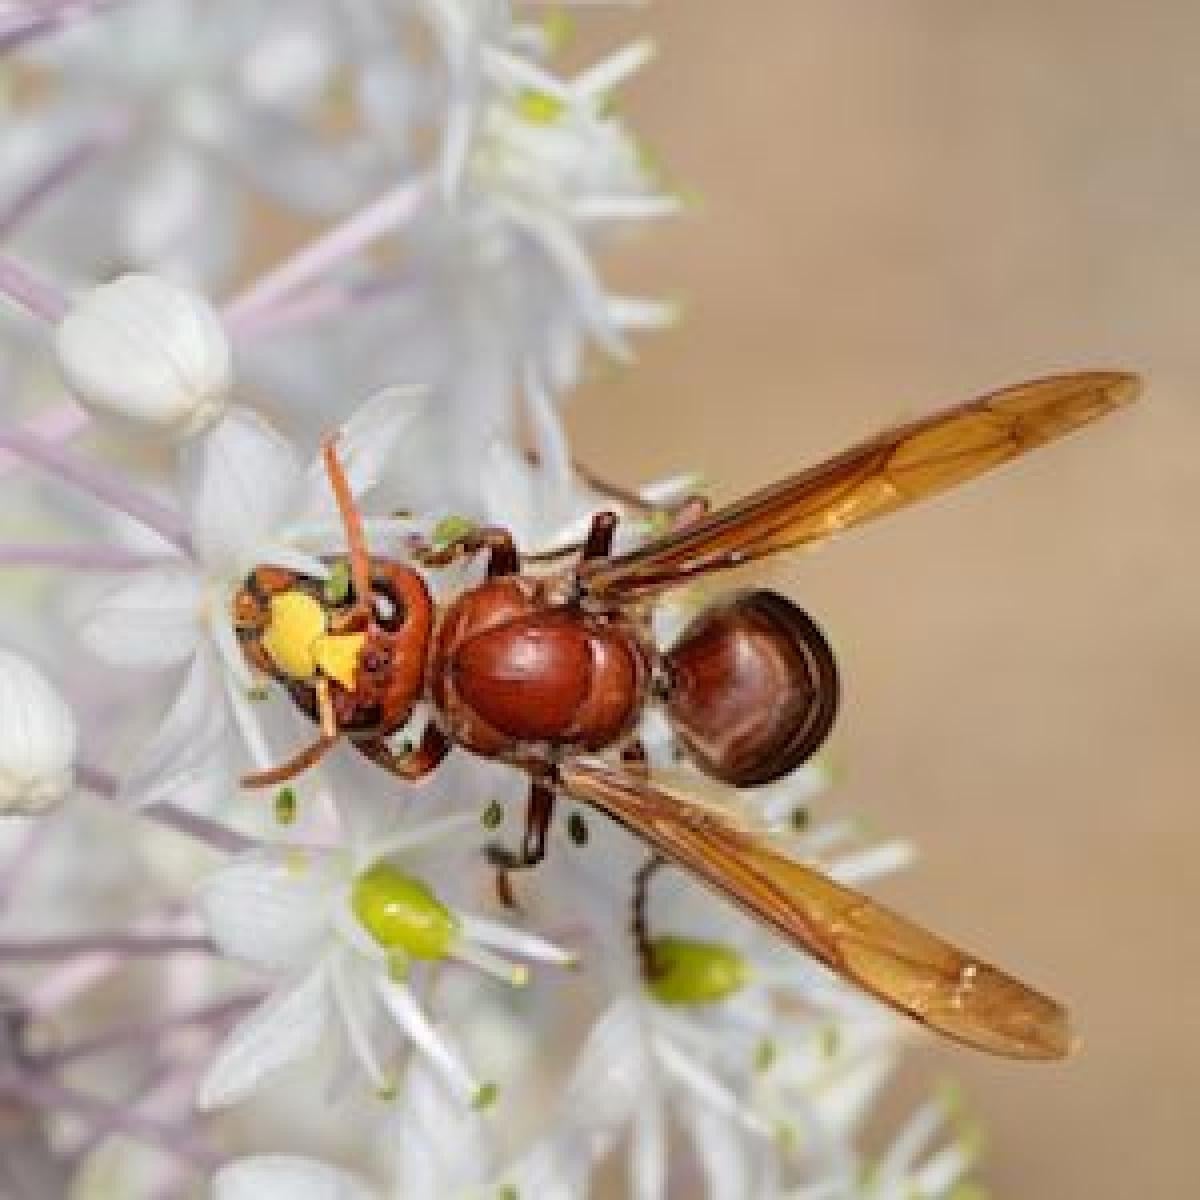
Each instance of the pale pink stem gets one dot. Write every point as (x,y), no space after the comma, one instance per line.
(213,833)
(58,424)
(311,305)
(50,16)
(315,304)
(22,860)
(127,945)
(57,988)
(104,485)
(58,174)
(208,1016)
(79,558)
(31,292)
(393,208)
(107,1119)
(142,1093)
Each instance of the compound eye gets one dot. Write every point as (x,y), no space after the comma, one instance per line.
(248,611)
(390,610)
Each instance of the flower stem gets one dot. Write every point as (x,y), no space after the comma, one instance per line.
(58,424)
(32,293)
(104,485)
(49,17)
(22,860)
(129,945)
(208,1016)
(108,1118)
(78,558)
(68,980)
(393,208)
(213,833)
(108,133)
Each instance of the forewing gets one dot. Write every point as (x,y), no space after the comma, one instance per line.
(902,964)
(876,477)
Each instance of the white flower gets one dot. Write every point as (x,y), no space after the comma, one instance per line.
(350,932)
(38,738)
(762,1058)
(146,351)
(907,1168)
(249,501)
(551,162)
(283,1177)
(444,1151)
(161,122)
(497,294)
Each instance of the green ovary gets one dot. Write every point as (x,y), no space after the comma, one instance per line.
(401,913)
(690,972)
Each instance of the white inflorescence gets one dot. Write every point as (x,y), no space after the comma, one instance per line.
(330,959)
(38,738)
(148,352)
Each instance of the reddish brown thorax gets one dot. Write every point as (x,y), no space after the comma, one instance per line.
(509,669)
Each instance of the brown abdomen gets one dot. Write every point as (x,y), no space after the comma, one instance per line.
(752,688)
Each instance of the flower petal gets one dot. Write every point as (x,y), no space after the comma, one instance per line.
(721,1148)
(269,908)
(151,619)
(448,1149)
(288,1025)
(187,760)
(609,1080)
(365,447)
(238,481)
(409,1015)
(283,1177)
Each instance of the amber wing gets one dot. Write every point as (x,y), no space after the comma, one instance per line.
(902,964)
(878,476)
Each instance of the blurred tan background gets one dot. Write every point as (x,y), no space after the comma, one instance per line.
(904,203)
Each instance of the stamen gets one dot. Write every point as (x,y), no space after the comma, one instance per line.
(515,941)
(475,955)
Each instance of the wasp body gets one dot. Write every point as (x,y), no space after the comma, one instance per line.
(551,670)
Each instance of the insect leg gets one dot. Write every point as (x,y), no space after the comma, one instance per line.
(300,763)
(635,760)
(539,811)
(637,924)
(538,814)
(598,543)
(325,710)
(427,756)
(503,558)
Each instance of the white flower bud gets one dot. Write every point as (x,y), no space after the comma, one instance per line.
(148,352)
(37,739)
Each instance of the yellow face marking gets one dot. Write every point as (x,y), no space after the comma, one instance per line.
(336,655)
(297,620)
(299,644)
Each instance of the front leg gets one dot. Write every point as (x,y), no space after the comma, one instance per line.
(426,757)
(599,541)
(503,557)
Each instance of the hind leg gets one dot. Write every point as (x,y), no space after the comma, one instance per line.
(539,812)
(638,923)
